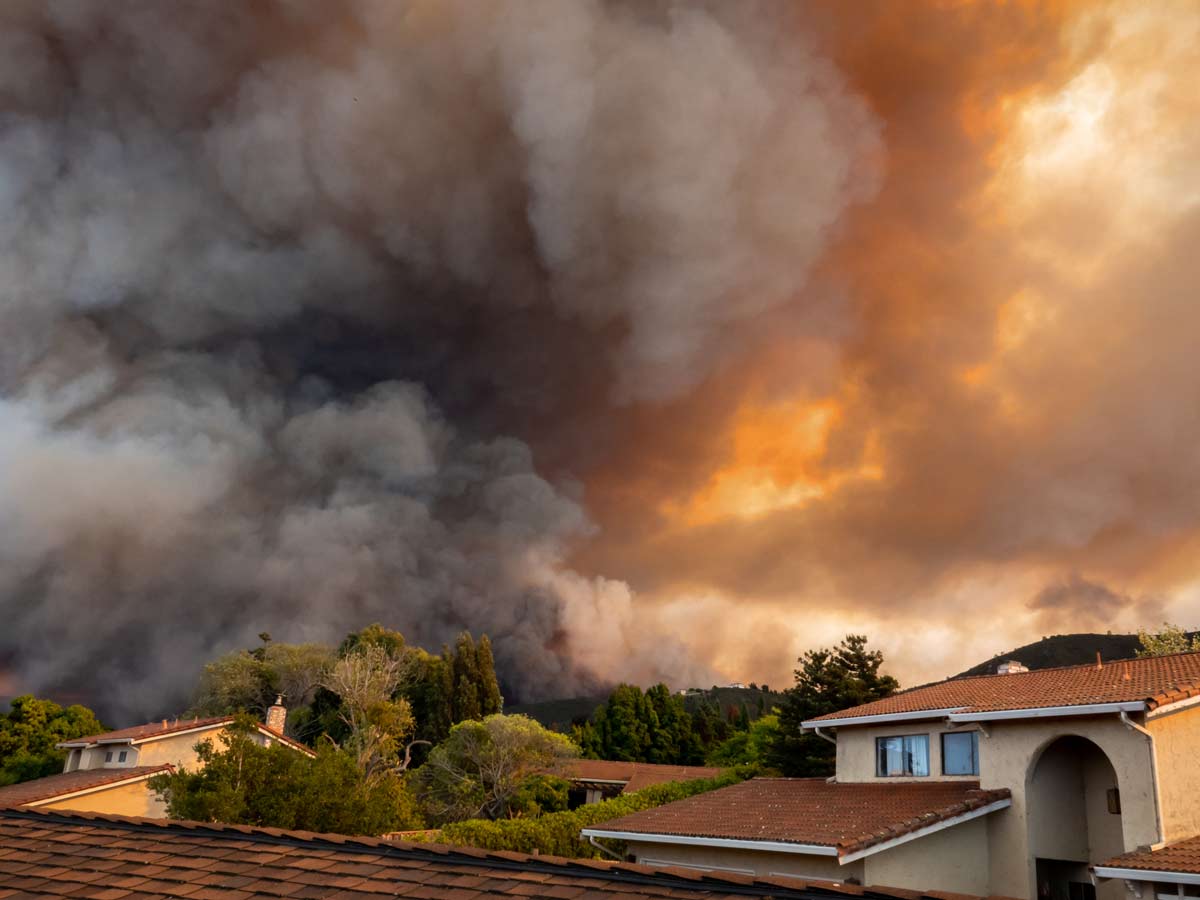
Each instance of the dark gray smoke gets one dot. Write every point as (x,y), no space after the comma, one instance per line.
(283,284)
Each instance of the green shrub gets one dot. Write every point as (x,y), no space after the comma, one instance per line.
(558,833)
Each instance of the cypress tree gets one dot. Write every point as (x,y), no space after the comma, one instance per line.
(490,700)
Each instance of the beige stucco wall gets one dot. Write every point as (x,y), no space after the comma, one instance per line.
(1014,748)
(122,800)
(1177,743)
(856,750)
(955,860)
(755,862)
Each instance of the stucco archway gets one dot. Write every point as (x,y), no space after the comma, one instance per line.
(1074,818)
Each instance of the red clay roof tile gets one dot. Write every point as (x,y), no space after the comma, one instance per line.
(422,870)
(1154,680)
(1182,857)
(69,782)
(848,817)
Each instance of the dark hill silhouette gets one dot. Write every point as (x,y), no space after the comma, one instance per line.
(1063,650)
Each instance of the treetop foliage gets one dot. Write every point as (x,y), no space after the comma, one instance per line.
(482,766)
(1169,639)
(827,680)
(29,731)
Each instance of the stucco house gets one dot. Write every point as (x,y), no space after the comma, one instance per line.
(1012,784)
(109,773)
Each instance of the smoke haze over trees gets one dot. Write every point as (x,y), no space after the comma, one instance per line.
(593,326)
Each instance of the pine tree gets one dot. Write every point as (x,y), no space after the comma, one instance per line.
(828,680)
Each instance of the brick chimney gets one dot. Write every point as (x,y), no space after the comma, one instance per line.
(277,715)
(1010,667)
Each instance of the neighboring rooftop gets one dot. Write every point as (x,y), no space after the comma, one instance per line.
(634,775)
(844,818)
(149,731)
(52,786)
(1153,681)
(54,854)
(1181,858)
(152,731)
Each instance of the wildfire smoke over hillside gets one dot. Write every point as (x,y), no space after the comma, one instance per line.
(592,326)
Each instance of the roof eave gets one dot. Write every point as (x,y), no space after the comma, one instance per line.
(732,843)
(963,715)
(811,724)
(1164,875)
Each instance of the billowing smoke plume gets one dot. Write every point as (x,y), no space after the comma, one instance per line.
(286,289)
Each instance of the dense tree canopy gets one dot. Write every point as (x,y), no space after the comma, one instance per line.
(29,731)
(482,768)
(241,782)
(828,680)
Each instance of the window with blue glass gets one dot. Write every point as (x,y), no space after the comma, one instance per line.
(960,753)
(903,754)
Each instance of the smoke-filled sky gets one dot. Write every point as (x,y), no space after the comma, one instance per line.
(654,339)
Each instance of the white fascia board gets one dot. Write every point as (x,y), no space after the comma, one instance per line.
(924,832)
(598,780)
(734,843)
(1169,708)
(880,718)
(1048,712)
(1146,875)
(108,785)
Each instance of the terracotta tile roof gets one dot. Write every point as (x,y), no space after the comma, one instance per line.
(151,730)
(1182,857)
(54,854)
(167,727)
(1155,681)
(847,817)
(635,775)
(70,782)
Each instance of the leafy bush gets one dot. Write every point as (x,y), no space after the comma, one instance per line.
(558,833)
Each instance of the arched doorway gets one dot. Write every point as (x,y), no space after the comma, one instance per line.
(1074,815)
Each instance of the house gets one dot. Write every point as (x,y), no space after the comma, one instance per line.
(109,772)
(593,780)
(1168,872)
(61,854)
(1009,784)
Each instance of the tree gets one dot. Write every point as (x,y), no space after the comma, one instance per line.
(250,680)
(1169,639)
(828,680)
(245,783)
(490,699)
(752,747)
(481,768)
(366,679)
(29,732)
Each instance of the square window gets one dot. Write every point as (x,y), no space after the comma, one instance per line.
(121,756)
(960,753)
(108,756)
(902,755)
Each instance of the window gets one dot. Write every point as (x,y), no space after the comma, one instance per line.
(960,753)
(108,756)
(902,755)
(1113,797)
(122,755)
